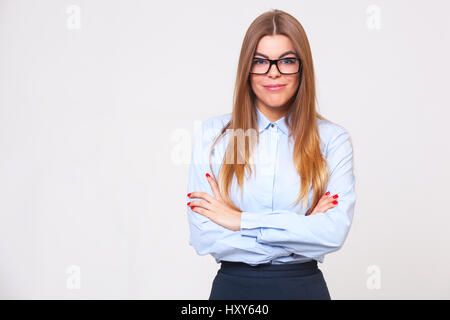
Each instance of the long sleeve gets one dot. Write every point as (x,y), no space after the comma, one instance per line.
(314,235)
(208,237)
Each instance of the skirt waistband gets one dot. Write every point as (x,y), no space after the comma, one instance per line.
(269,270)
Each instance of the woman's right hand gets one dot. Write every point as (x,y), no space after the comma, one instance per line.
(326,202)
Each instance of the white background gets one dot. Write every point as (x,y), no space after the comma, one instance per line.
(98,106)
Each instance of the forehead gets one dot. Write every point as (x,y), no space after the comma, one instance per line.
(274,45)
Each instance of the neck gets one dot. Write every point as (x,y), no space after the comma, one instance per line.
(273,113)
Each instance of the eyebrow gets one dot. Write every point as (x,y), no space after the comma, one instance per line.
(284,54)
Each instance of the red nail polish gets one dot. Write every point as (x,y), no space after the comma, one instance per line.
(335,202)
(188,203)
(327,193)
(335,196)
(208,175)
(192,207)
(189,194)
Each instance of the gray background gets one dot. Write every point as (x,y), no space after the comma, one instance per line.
(97,111)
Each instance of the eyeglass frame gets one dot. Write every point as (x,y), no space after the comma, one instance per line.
(275,62)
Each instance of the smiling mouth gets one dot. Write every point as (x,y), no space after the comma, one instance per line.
(275,87)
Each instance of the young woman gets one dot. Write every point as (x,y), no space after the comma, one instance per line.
(273,152)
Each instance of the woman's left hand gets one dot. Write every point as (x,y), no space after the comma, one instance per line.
(215,209)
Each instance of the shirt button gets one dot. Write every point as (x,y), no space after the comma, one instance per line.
(271,125)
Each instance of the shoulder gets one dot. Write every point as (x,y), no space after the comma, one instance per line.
(211,127)
(217,121)
(329,129)
(332,133)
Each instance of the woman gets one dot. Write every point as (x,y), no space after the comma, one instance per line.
(283,153)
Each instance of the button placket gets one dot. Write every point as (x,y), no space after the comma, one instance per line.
(274,151)
(264,158)
(273,139)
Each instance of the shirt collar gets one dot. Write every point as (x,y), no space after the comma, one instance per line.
(263,122)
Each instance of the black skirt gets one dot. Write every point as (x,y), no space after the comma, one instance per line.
(294,281)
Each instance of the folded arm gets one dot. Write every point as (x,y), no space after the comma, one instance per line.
(314,235)
(208,237)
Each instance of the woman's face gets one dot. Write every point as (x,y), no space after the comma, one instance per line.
(274,47)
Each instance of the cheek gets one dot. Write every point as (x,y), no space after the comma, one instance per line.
(255,84)
(293,87)
(257,87)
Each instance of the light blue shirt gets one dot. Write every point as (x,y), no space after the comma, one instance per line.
(272,230)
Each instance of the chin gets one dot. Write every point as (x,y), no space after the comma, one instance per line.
(275,103)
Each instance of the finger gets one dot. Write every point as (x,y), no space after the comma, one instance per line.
(327,206)
(214,186)
(199,203)
(329,195)
(332,200)
(324,206)
(325,203)
(202,211)
(202,195)
(329,199)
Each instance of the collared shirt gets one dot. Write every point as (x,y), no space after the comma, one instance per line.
(273,230)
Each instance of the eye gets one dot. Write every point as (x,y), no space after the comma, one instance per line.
(289,61)
(259,61)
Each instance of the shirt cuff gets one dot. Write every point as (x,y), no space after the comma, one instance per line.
(249,224)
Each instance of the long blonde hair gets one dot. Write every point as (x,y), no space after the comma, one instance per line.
(301,118)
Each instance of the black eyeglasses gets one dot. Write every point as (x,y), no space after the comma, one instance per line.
(284,65)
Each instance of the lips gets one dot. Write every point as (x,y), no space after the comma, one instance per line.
(274,85)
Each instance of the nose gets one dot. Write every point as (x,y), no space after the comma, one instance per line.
(273,71)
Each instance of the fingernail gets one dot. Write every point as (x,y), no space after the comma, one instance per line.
(335,202)
(188,203)
(327,193)
(335,196)
(208,175)
(189,194)
(192,207)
